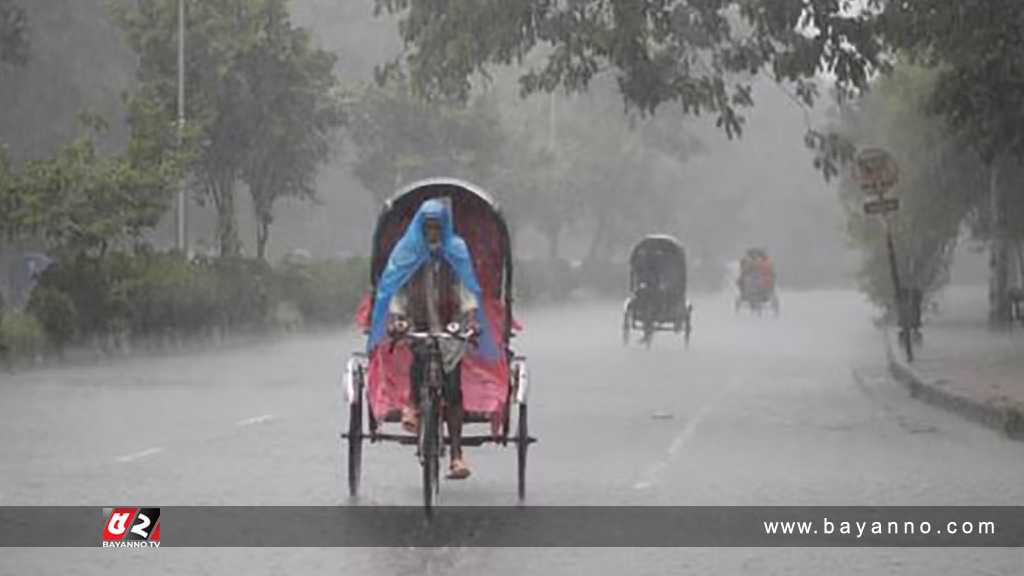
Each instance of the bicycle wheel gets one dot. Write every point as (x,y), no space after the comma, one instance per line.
(355,437)
(430,450)
(626,324)
(522,445)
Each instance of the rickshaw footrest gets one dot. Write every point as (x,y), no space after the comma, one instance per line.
(477,440)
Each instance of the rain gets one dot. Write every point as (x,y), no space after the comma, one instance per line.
(760,258)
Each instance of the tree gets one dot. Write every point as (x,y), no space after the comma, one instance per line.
(400,138)
(241,56)
(941,185)
(978,52)
(297,109)
(13,34)
(82,202)
(695,54)
(577,163)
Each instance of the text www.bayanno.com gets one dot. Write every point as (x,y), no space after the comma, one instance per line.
(862,528)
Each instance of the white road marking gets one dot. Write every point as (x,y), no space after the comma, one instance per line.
(684,436)
(255,420)
(139,455)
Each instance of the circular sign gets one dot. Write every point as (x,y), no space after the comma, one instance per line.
(876,170)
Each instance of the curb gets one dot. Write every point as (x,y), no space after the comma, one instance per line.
(1006,419)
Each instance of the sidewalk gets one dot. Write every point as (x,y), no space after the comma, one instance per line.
(963,366)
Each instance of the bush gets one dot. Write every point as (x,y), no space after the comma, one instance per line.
(21,336)
(243,292)
(325,292)
(56,314)
(149,293)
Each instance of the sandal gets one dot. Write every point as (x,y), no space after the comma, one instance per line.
(410,420)
(458,470)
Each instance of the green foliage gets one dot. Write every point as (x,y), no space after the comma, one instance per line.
(692,53)
(978,52)
(578,164)
(297,109)
(21,336)
(261,104)
(325,292)
(942,183)
(154,294)
(81,201)
(56,313)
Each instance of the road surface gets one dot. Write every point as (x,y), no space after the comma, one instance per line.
(759,411)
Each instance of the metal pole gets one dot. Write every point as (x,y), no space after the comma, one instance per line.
(181,242)
(901,311)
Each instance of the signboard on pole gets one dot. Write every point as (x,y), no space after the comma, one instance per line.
(876,171)
(881,205)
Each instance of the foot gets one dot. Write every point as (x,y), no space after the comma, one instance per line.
(410,420)
(458,470)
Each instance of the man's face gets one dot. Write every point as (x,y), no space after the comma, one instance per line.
(432,231)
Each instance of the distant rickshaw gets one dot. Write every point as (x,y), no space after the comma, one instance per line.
(756,284)
(657,284)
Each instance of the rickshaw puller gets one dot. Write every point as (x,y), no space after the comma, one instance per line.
(433,297)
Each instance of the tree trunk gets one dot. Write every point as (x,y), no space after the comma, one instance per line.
(227,227)
(999,255)
(262,235)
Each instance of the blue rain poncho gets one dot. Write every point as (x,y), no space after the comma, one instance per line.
(410,253)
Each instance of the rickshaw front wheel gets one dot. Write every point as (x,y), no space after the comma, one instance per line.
(430,451)
(522,445)
(355,438)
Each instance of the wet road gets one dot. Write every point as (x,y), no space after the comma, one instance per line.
(759,411)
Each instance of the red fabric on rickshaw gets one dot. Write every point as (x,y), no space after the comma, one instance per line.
(484,382)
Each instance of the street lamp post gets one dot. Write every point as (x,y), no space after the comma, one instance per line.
(181,240)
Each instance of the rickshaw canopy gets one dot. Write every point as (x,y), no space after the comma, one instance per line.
(477,219)
(659,256)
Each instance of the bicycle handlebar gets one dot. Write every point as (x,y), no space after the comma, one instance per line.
(464,335)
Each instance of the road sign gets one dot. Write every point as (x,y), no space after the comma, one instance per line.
(876,170)
(881,205)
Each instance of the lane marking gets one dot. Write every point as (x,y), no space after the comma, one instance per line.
(140,455)
(685,435)
(255,420)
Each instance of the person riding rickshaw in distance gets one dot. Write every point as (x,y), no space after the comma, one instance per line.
(427,284)
(757,272)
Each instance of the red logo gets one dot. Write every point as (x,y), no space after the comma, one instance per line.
(131,527)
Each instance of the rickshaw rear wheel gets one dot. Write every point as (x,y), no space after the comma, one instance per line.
(429,451)
(355,438)
(626,325)
(522,446)
(648,333)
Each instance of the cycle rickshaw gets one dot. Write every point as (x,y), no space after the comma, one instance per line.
(756,283)
(657,284)
(377,385)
